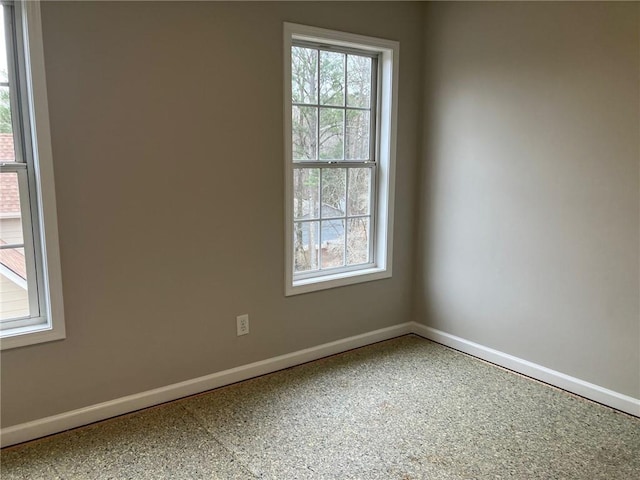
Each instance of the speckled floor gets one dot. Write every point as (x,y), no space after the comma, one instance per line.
(402,409)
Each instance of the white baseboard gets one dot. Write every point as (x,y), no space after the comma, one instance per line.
(588,390)
(101,411)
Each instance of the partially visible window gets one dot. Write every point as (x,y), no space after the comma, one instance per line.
(30,290)
(339,143)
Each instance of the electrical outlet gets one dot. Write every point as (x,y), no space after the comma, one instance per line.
(242,324)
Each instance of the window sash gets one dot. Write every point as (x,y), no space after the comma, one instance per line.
(373,100)
(383,98)
(320,271)
(342,163)
(37,159)
(24,168)
(12,30)
(27,245)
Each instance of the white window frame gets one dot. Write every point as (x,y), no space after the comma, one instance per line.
(383,189)
(37,188)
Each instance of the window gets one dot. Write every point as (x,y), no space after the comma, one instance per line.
(30,285)
(340,111)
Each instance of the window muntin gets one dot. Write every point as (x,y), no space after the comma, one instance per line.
(31,308)
(340,111)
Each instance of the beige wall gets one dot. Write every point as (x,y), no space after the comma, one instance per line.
(529,205)
(174,111)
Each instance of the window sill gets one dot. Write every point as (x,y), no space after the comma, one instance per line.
(31,335)
(314,284)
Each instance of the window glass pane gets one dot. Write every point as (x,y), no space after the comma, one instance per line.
(358,130)
(3,49)
(305,246)
(334,189)
(331,134)
(332,78)
(306,193)
(359,191)
(14,297)
(304,125)
(357,240)
(7,152)
(332,243)
(10,217)
(304,75)
(358,81)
